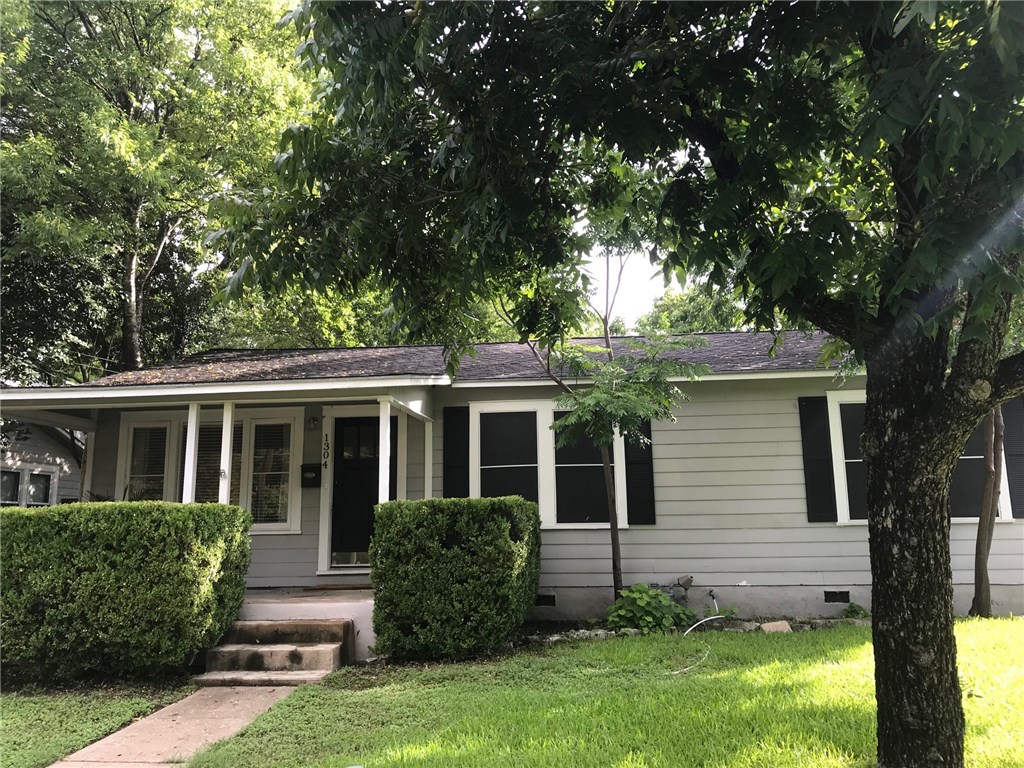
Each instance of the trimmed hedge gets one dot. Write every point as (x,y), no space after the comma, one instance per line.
(452,578)
(117,589)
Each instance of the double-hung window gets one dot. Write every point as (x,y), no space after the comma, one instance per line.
(512,452)
(266,448)
(28,485)
(846,423)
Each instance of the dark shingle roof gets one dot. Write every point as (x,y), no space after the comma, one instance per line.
(723,353)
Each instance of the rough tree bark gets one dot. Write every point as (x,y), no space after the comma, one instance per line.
(912,441)
(981,605)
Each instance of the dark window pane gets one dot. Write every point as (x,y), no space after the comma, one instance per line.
(146,474)
(350,441)
(509,481)
(580,495)
(976,443)
(270,472)
(270,447)
(208,461)
(368,441)
(965,495)
(10,487)
(852,416)
(583,452)
(38,491)
(857,489)
(508,438)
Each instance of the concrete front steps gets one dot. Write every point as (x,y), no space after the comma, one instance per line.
(278,653)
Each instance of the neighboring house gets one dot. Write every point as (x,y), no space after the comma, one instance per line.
(38,467)
(756,489)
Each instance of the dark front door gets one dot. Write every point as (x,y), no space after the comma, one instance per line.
(356,456)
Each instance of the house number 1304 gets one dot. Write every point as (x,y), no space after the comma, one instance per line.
(327,449)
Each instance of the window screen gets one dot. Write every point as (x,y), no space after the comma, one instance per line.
(146,470)
(10,488)
(208,462)
(37,491)
(968,475)
(271,465)
(579,483)
(508,454)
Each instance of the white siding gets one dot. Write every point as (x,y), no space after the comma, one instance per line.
(39,448)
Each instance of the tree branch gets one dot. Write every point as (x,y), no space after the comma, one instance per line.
(1008,381)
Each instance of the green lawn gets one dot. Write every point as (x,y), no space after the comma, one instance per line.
(756,700)
(38,728)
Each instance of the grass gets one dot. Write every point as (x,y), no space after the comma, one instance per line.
(717,700)
(38,727)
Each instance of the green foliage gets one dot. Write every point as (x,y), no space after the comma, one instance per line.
(297,317)
(649,610)
(452,578)
(42,727)
(122,120)
(628,391)
(117,589)
(697,309)
(854,611)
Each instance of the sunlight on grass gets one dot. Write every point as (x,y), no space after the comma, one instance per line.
(785,701)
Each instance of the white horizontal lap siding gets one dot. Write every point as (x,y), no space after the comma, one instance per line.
(731,507)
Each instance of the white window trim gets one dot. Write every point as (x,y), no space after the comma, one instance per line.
(835,428)
(26,468)
(174,421)
(545,410)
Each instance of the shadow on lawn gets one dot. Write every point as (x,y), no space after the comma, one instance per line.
(751,700)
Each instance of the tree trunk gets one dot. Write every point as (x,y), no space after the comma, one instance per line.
(910,462)
(131,345)
(613,521)
(981,605)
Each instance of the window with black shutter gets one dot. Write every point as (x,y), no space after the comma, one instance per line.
(508,454)
(580,495)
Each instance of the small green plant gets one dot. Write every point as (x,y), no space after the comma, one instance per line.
(647,609)
(854,611)
(730,611)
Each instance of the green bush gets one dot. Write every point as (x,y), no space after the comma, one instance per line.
(647,609)
(452,578)
(117,589)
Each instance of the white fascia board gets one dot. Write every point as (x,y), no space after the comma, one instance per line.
(182,394)
(730,376)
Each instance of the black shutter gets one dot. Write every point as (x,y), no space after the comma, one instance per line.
(1013,452)
(640,482)
(456,452)
(817,450)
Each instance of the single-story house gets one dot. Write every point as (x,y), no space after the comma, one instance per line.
(756,489)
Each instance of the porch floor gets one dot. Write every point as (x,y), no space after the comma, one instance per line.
(293,604)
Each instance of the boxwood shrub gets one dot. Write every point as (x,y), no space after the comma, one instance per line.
(117,589)
(452,578)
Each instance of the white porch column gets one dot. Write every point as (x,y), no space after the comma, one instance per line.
(384,452)
(85,479)
(227,434)
(188,485)
(428,459)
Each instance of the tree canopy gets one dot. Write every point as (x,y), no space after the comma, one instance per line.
(695,309)
(855,166)
(121,121)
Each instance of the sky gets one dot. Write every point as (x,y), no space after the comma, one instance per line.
(642,283)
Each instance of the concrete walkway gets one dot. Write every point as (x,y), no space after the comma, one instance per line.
(177,732)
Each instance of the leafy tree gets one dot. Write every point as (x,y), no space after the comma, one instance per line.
(121,121)
(697,309)
(296,317)
(855,166)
